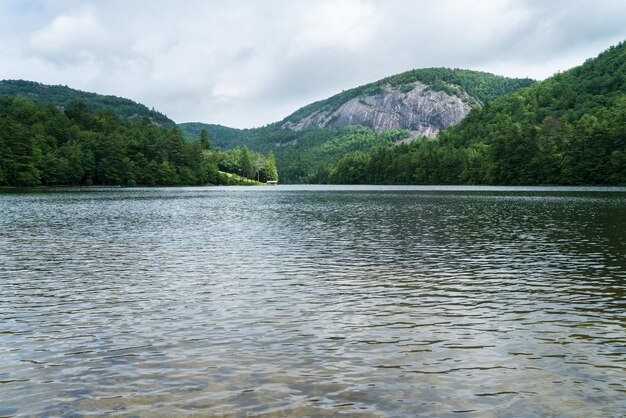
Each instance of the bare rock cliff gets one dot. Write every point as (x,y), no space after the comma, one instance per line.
(421,110)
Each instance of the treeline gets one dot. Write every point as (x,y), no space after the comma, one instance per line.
(308,155)
(301,155)
(62,96)
(569,129)
(42,145)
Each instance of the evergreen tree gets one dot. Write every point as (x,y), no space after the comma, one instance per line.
(205,142)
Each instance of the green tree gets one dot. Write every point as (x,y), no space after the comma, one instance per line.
(205,141)
(245,163)
(269,171)
(211,170)
(167,175)
(19,154)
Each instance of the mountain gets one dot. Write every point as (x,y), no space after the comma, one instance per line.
(568,129)
(422,101)
(397,108)
(62,96)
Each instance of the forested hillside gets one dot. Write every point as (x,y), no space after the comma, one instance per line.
(42,145)
(304,155)
(478,85)
(569,129)
(62,96)
(221,136)
(300,155)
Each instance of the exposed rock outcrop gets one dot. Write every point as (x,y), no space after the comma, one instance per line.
(421,110)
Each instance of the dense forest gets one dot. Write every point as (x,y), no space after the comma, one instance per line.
(42,145)
(62,96)
(302,156)
(569,129)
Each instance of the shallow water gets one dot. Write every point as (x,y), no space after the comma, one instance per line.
(364,301)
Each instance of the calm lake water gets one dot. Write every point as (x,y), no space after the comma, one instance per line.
(313,301)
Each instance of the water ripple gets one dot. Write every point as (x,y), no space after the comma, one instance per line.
(313,301)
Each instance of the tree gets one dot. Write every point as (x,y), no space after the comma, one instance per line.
(211,171)
(205,142)
(245,163)
(269,171)
(18,158)
(77,112)
(174,146)
(167,174)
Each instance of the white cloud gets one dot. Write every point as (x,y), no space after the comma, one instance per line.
(247,63)
(71,37)
(342,24)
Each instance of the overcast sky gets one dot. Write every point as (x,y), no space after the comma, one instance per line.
(246,63)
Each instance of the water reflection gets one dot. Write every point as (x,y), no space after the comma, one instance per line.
(371,301)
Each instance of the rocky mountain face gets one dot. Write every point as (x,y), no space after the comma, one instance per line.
(421,110)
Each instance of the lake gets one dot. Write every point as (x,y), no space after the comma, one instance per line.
(313,301)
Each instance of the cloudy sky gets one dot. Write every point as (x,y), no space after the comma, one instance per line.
(246,63)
